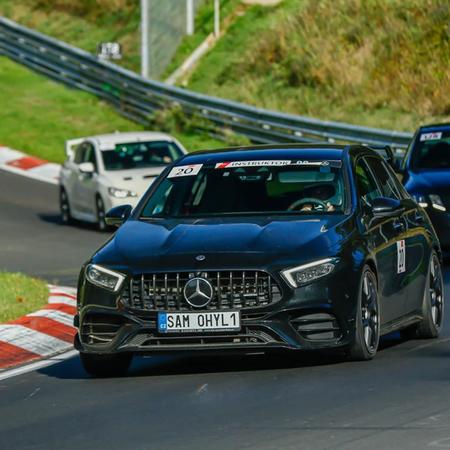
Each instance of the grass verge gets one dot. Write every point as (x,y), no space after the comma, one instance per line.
(20,295)
(39,115)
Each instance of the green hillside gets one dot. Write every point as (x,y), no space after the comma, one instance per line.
(38,115)
(383,63)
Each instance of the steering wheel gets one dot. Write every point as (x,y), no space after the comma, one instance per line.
(304,201)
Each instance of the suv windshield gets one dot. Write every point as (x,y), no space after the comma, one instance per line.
(249,187)
(432,150)
(137,155)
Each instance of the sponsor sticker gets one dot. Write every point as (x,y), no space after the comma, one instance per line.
(234,164)
(185,171)
(431,136)
(276,163)
(311,163)
(401,256)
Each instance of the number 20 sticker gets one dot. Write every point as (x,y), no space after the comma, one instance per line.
(185,171)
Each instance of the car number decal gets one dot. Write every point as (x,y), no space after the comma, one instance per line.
(430,136)
(185,171)
(401,256)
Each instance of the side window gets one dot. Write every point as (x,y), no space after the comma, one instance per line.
(397,184)
(386,183)
(89,154)
(367,187)
(79,154)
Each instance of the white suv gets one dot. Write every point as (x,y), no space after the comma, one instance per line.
(104,171)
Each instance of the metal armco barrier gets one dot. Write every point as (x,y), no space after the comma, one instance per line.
(137,97)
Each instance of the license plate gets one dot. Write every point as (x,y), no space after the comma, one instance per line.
(199,322)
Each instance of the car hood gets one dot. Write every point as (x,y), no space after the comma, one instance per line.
(225,243)
(430,181)
(137,180)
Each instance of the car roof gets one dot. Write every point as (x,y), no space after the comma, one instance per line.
(107,140)
(265,152)
(435,126)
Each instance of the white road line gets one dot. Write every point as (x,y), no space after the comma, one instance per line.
(62,299)
(26,173)
(59,316)
(32,340)
(37,365)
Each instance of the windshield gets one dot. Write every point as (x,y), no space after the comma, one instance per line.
(249,187)
(137,155)
(432,150)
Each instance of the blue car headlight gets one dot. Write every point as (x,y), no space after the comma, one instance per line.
(299,275)
(432,200)
(105,278)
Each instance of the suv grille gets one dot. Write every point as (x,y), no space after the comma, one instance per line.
(232,290)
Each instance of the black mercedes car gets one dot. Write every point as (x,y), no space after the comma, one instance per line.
(294,247)
(426,171)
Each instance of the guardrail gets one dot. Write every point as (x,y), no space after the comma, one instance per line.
(137,97)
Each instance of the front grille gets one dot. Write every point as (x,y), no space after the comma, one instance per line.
(317,327)
(100,328)
(232,290)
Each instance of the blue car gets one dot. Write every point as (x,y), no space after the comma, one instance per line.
(426,171)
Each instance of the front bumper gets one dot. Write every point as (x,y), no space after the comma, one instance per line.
(316,316)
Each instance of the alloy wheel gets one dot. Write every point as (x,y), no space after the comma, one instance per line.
(369,312)
(436,291)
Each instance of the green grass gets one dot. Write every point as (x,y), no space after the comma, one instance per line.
(39,115)
(20,295)
(382,63)
(83,23)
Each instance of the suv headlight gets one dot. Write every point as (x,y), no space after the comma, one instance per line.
(296,276)
(432,199)
(104,278)
(436,202)
(121,193)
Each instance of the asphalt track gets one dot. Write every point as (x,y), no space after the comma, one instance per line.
(32,238)
(400,400)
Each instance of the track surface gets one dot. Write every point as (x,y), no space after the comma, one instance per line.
(33,240)
(399,400)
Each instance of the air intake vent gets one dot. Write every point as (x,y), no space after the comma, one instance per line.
(317,327)
(100,328)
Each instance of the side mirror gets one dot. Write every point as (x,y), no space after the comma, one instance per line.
(87,168)
(386,207)
(118,215)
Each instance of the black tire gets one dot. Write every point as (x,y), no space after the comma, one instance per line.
(106,365)
(433,303)
(367,321)
(100,208)
(64,207)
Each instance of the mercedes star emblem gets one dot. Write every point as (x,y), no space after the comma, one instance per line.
(200,257)
(198,292)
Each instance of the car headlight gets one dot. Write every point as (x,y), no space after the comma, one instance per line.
(296,276)
(121,193)
(436,202)
(432,199)
(421,200)
(104,278)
